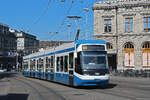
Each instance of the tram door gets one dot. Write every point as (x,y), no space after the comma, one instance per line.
(71,56)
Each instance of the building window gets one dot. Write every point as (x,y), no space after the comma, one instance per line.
(129,55)
(146,54)
(107,26)
(128,24)
(147,24)
(107,10)
(146,6)
(128,8)
(109,46)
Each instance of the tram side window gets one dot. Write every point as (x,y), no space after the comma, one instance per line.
(25,65)
(41,64)
(52,61)
(57,64)
(31,65)
(66,64)
(47,64)
(37,64)
(70,60)
(34,65)
(61,63)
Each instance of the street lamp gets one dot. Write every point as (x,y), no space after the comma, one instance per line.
(69,33)
(87,10)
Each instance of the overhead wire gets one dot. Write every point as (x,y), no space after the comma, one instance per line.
(68,11)
(65,17)
(71,27)
(41,15)
(63,31)
(91,29)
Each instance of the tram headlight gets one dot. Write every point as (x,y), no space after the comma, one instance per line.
(84,47)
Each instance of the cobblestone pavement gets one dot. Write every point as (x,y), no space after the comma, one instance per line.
(14,86)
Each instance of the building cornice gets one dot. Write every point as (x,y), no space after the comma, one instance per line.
(108,16)
(129,14)
(120,4)
(124,34)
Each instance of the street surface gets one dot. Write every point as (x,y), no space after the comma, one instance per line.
(14,86)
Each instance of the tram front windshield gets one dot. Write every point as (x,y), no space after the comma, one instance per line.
(93,60)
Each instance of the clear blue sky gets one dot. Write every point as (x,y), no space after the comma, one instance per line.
(43,18)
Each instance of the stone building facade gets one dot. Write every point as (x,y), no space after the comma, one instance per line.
(7,46)
(125,25)
(26,43)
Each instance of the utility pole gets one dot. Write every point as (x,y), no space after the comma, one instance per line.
(17,61)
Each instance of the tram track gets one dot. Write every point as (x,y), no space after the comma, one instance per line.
(114,93)
(129,97)
(132,85)
(120,91)
(33,88)
(109,92)
(99,90)
(45,87)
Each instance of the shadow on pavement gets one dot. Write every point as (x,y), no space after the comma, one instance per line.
(107,86)
(14,97)
(7,75)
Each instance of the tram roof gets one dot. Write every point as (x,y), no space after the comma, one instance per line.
(61,48)
(90,41)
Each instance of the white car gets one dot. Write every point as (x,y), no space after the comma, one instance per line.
(2,70)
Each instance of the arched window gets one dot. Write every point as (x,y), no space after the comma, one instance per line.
(128,45)
(146,54)
(129,54)
(109,45)
(146,45)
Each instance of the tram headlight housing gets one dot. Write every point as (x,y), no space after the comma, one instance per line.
(84,47)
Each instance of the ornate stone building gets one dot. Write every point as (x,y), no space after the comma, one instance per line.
(125,25)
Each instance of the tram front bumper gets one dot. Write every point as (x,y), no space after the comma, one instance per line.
(86,82)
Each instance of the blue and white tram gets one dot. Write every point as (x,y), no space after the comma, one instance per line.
(80,63)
